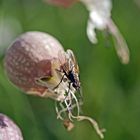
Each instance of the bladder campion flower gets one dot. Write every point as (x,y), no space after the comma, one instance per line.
(8,129)
(100,18)
(37,63)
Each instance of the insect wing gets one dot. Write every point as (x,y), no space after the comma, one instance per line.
(64,61)
(72,57)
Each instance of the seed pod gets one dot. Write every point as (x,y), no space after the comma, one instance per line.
(32,56)
(8,129)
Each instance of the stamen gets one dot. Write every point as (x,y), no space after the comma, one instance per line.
(94,124)
(68,105)
(58,112)
(77,103)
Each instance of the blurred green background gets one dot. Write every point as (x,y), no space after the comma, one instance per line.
(111,90)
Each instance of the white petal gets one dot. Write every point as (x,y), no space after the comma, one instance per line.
(99,8)
(100,12)
(120,43)
(91,32)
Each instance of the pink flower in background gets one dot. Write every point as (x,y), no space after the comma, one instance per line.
(64,3)
(8,129)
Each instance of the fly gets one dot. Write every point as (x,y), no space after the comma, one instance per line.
(70,70)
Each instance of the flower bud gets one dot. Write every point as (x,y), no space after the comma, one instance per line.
(8,129)
(31,57)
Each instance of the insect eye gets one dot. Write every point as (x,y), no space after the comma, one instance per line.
(65,79)
(74,85)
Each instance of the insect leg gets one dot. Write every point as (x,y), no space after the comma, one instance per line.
(59,82)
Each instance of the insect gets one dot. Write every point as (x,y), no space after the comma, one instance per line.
(69,69)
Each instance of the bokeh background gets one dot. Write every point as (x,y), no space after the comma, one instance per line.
(111,90)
